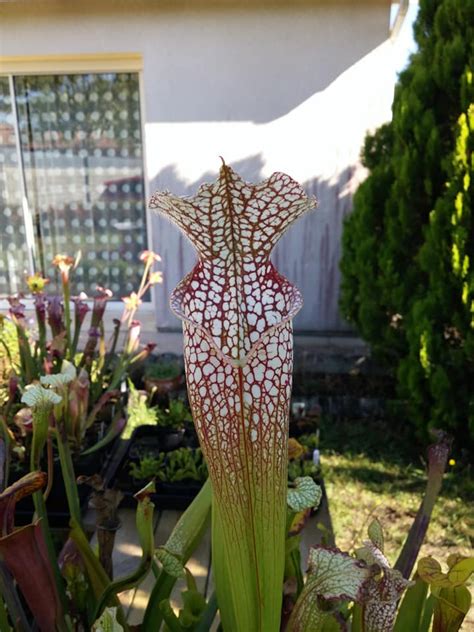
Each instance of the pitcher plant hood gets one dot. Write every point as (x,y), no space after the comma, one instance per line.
(234,294)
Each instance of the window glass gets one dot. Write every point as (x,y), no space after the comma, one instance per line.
(82,152)
(13,250)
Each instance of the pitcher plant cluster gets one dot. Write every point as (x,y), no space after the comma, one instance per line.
(44,349)
(237,313)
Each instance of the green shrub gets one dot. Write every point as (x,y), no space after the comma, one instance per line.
(407,248)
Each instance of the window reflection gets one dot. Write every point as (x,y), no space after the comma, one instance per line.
(13,249)
(82,153)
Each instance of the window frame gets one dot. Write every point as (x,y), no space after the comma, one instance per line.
(13,66)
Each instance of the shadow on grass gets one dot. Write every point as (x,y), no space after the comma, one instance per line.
(388,440)
(385,456)
(379,480)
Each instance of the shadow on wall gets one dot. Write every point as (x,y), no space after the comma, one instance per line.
(308,254)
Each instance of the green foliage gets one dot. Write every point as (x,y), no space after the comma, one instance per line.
(439,366)
(310,441)
(382,598)
(408,246)
(300,465)
(162,370)
(175,415)
(184,464)
(301,468)
(449,593)
(148,468)
(9,352)
(140,413)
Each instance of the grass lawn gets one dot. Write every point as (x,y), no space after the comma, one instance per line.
(373,469)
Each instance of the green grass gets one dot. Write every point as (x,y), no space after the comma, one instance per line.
(372,468)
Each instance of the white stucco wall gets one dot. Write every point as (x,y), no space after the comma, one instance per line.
(268,89)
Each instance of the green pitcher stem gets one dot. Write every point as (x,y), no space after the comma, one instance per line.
(67,469)
(41,512)
(67,318)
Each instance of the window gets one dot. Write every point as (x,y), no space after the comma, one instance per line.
(71,178)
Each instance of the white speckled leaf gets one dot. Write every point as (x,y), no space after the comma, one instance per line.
(332,575)
(384,590)
(371,554)
(235,294)
(36,395)
(381,600)
(336,575)
(305,495)
(67,374)
(375,532)
(107,622)
(171,564)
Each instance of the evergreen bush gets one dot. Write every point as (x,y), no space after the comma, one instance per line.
(408,246)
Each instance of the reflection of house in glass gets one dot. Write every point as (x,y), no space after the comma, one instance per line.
(77,132)
(264,84)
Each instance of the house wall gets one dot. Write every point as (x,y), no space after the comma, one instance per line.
(266,87)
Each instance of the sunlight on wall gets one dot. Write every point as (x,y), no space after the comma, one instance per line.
(317,143)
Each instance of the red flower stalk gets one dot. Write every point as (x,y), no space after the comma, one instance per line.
(100,303)
(438,454)
(56,315)
(13,383)
(78,402)
(237,311)
(98,309)
(40,308)
(17,310)
(81,308)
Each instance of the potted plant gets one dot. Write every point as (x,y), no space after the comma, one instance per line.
(173,423)
(163,376)
(185,472)
(178,473)
(87,381)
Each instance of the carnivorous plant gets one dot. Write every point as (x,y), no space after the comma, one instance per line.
(237,311)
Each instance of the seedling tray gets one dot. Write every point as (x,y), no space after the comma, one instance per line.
(177,496)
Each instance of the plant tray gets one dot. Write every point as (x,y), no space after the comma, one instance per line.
(177,496)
